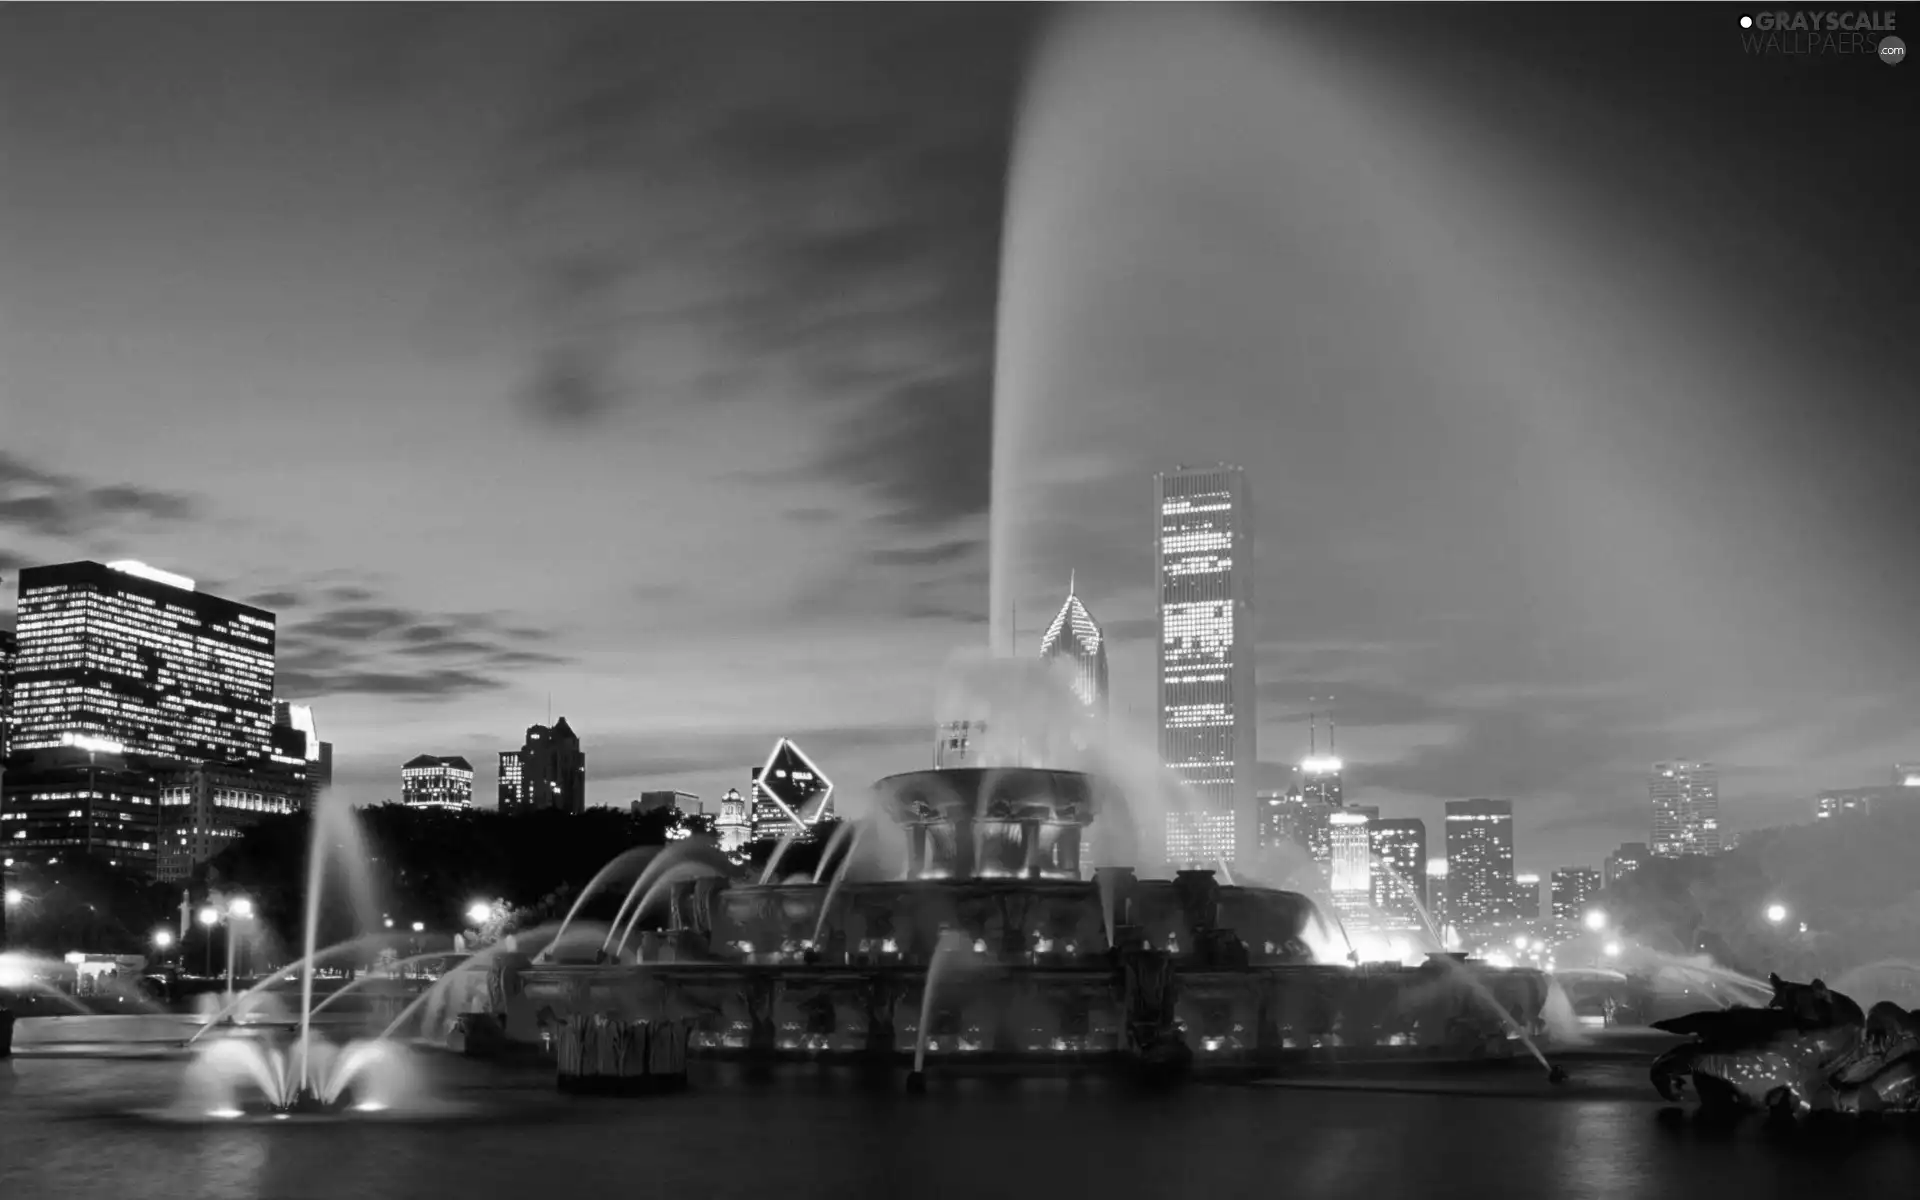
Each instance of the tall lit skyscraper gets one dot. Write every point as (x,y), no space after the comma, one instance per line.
(553,769)
(294,724)
(9,652)
(1526,897)
(1630,857)
(1076,638)
(510,795)
(1400,871)
(437,781)
(1351,880)
(1479,862)
(1686,809)
(1573,889)
(1437,902)
(790,794)
(129,655)
(1203,572)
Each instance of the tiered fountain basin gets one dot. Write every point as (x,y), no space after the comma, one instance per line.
(1059,969)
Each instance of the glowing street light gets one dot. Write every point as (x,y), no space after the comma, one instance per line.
(1612,949)
(1776,913)
(419,926)
(162,938)
(479,912)
(15,896)
(240,908)
(1596,920)
(209,916)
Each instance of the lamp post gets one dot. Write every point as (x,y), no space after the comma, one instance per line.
(238,909)
(209,917)
(1776,913)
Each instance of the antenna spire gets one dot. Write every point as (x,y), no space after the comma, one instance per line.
(1071,579)
(1312,730)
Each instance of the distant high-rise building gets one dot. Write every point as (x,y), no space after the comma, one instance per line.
(553,770)
(685,803)
(1906,774)
(1686,809)
(125,654)
(9,652)
(1526,897)
(205,806)
(1075,638)
(511,795)
(1203,573)
(1848,802)
(1351,880)
(790,795)
(1319,775)
(1630,857)
(1400,871)
(735,825)
(437,781)
(1479,862)
(297,744)
(1574,888)
(957,743)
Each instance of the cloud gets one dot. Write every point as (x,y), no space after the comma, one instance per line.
(56,505)
(623,756)
(939,552)
(378,649)
(809,203)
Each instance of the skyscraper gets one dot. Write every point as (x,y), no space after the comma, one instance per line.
(1573,889)
(1630,857)
(553,769)
(1075,638)
(437,781)
(85,797)
(1400,871)
(129,655)
(1351,880)
(734,829)
(9,652)
(298,718)
(509,797)
(1686,809)
(1526,897)
(1203,569)
(790,794)
(205,806)
(1479,862)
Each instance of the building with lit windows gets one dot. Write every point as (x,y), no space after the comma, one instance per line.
(1399,871)
(1630,857)
(509,787)
(1075,639)
(1288,821)
(135,656)
(1526,897)
(957,743)
(734,827)
(88,797)
(437,781)
(790,795)
(1203,574)
(9,652)
(296,733)
(1574,888)
(553,769)
(1351,880)
(1686,809)
(205,806)
(1479,863)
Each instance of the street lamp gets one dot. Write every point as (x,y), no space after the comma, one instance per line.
(209,917)
(238,909)
(1596,920)
(14,897)
(1612,949)
(162,938)
(418,926)
(1776,913)
(479,912)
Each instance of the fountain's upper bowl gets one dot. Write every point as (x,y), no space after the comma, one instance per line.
(992,794)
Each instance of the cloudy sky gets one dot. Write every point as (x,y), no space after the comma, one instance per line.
(648,360)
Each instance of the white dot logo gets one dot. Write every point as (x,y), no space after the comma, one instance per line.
(1893,51)
(1746,22)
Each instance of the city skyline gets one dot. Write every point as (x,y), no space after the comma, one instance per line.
(317,345)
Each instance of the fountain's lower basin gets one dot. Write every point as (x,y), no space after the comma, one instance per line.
(989,1012)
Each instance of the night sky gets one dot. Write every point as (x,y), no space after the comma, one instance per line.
(646,359)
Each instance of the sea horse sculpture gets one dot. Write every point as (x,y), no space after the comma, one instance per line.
(1810,1049)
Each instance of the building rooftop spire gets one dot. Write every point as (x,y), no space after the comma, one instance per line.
(1071,575)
